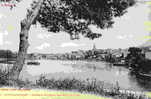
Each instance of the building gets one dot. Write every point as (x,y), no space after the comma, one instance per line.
(148,55)
(94,47)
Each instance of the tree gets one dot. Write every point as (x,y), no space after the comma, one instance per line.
(137,61)
(72,16)
(135,58)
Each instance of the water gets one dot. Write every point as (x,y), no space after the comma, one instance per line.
(82,70)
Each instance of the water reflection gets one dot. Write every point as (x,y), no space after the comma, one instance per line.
(143,82)
(89,65)
(82,70)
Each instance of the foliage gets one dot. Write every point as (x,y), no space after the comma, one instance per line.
(89,85)
(75,16)
(4,77)
(7,54)
(136,60)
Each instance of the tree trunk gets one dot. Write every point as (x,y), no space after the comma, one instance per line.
(23,45)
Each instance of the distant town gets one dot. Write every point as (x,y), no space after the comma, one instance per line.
(95,54)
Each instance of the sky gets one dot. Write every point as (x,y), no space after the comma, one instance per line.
(128,30)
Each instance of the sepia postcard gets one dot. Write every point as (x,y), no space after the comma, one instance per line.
(75,49)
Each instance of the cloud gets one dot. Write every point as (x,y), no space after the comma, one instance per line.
(1,15)
(2,34)
(44,36)
(5,33)
(126,17)
(43,46)
(1,39)
(7,42)
(125,37)
(71,44)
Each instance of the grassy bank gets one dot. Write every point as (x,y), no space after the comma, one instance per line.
(91,86)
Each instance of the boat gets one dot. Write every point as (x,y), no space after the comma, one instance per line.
(119,64)
(144,75)
(33,63)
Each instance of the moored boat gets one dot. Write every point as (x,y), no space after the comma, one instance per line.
(33,63)
(119,64)
(143,75)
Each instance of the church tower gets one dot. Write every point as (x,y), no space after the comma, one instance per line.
(94,47)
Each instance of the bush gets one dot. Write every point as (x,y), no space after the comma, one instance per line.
(89,85)
(3,77)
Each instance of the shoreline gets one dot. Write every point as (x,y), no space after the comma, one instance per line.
(123,94)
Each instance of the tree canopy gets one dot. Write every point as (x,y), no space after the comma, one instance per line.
(75,16)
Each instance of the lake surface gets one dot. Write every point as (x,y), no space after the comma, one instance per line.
(82,70)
